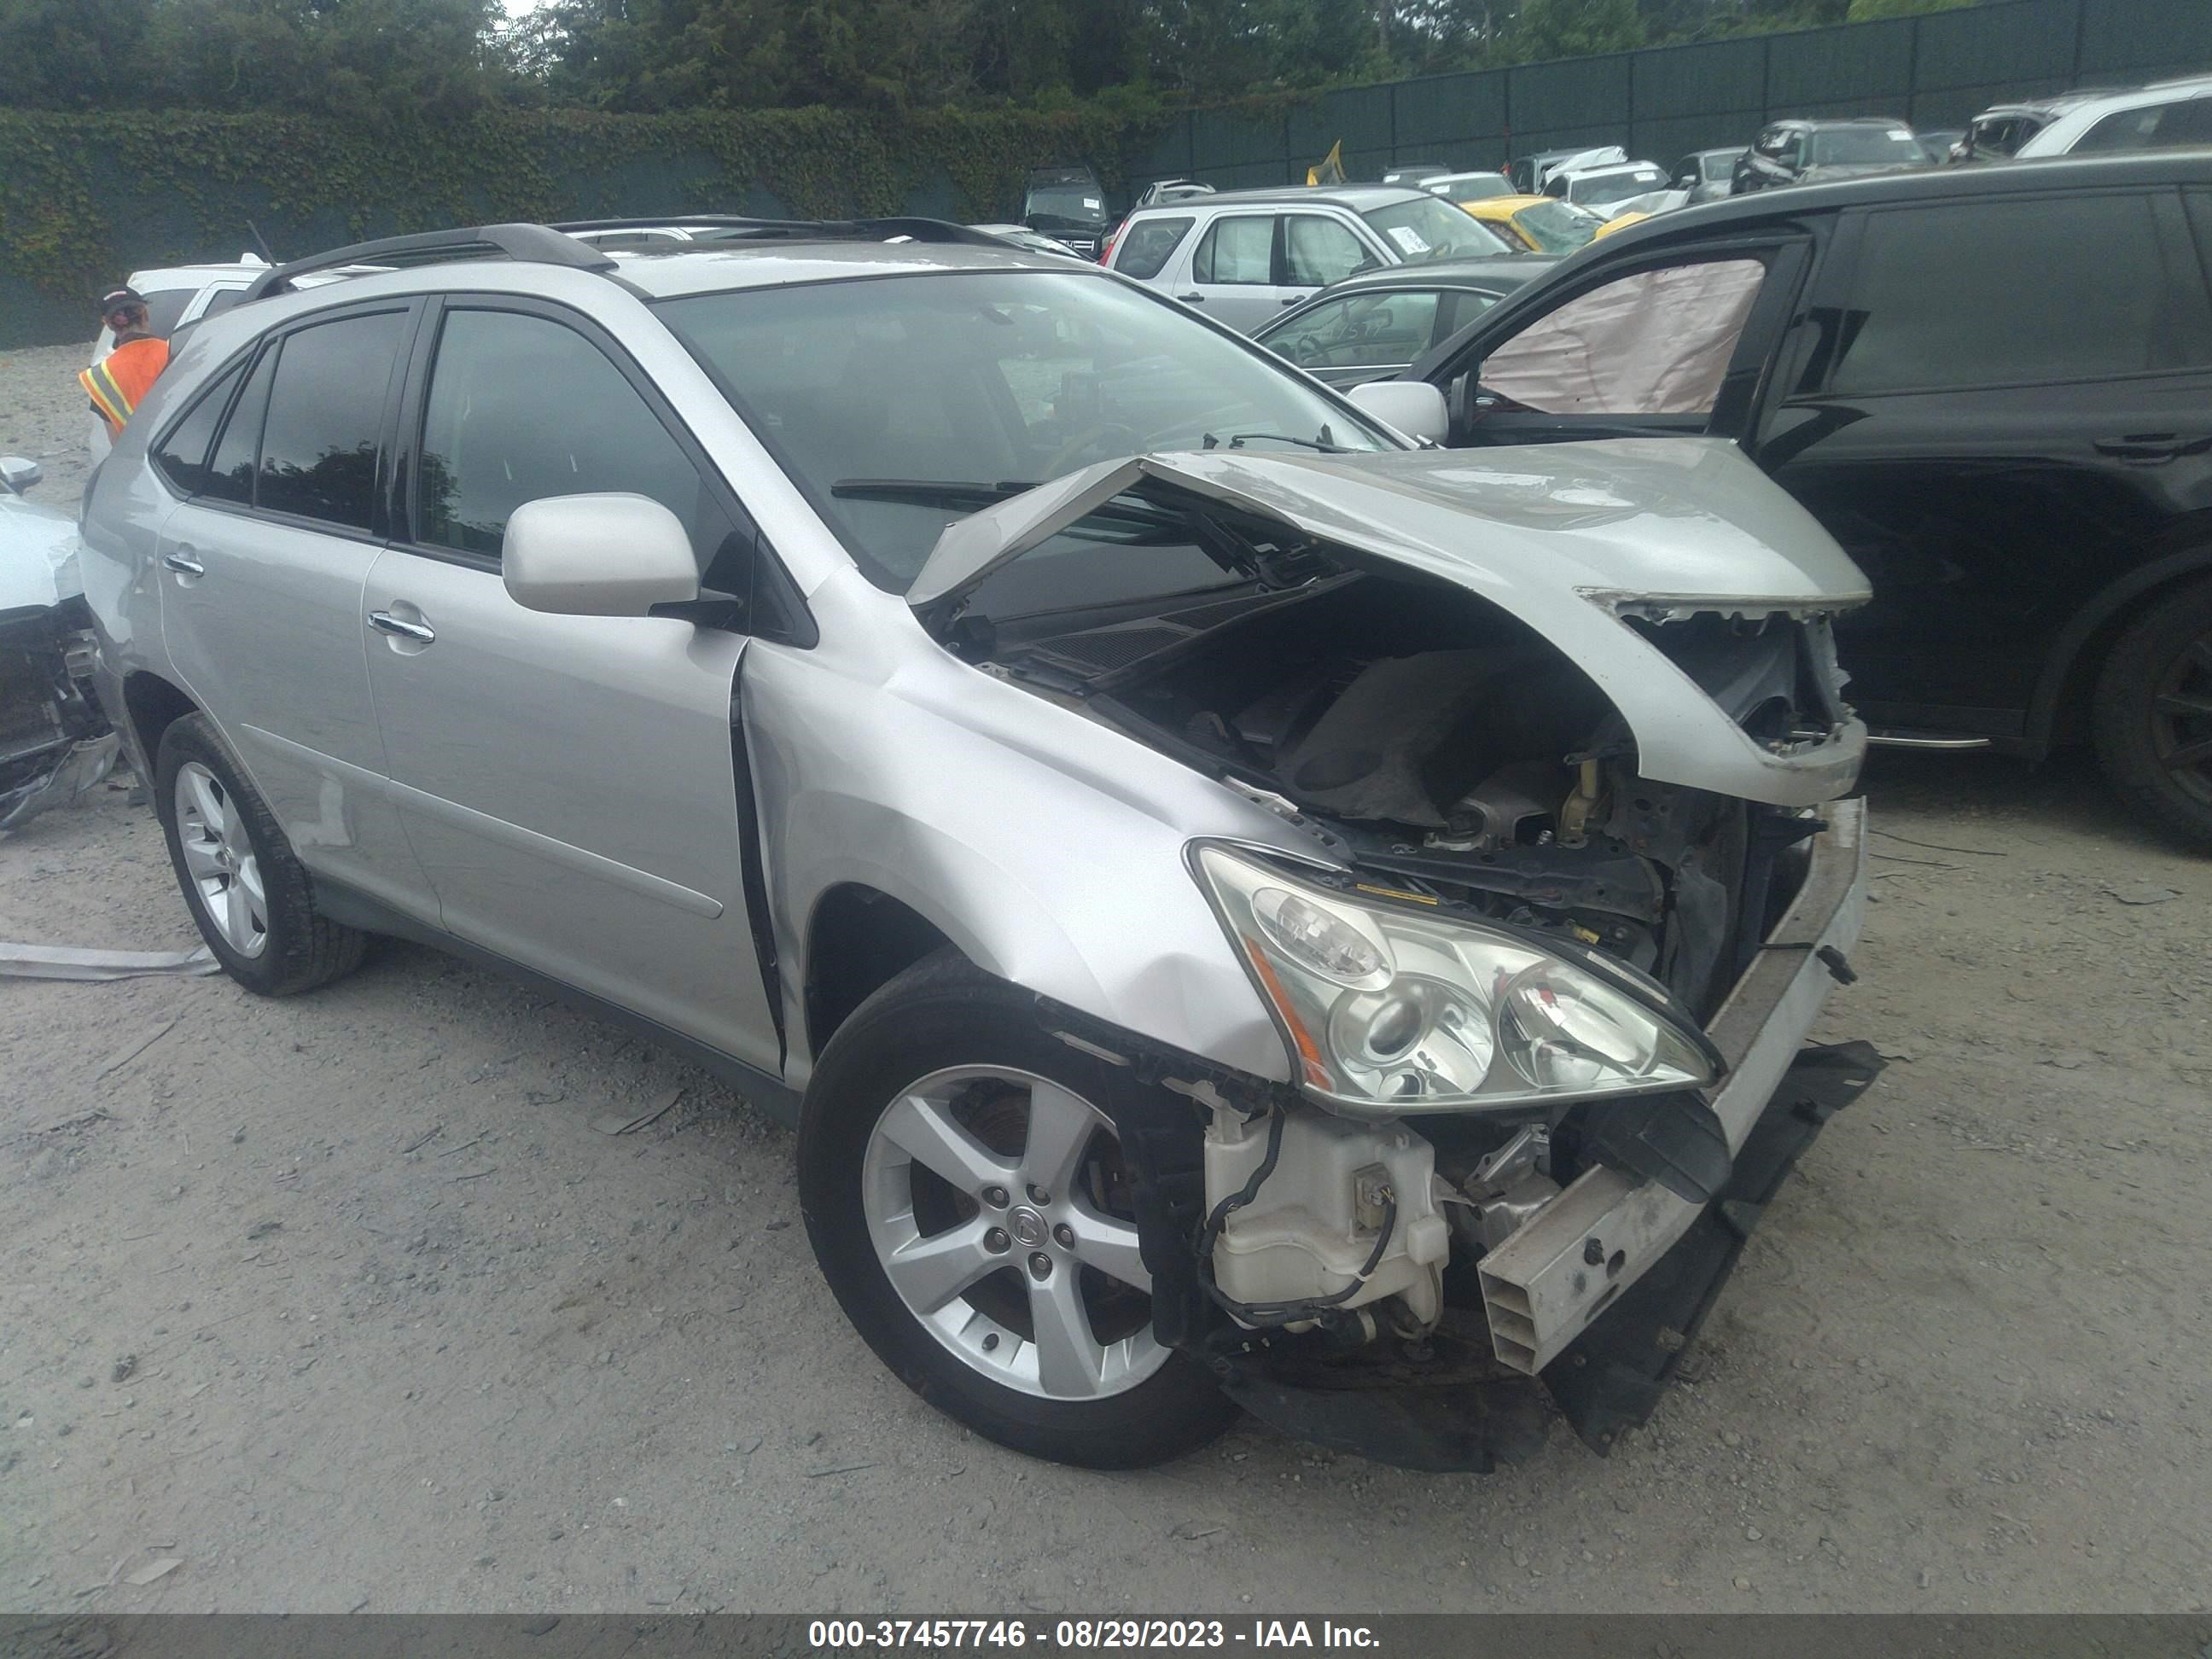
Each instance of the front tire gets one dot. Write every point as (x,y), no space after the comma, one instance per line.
(2153,714)
(960,1173)
(253,900)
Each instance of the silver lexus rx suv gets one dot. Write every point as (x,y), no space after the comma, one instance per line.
(1245,911)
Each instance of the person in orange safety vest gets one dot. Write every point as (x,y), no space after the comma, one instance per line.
(119,381)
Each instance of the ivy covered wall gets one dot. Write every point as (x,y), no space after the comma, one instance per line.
(86,200)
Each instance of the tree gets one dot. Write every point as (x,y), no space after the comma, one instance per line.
(1575,28)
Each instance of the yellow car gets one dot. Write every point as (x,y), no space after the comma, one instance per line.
(1545,224)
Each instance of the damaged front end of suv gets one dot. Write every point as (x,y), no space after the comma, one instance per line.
(55,743)
(1556,747)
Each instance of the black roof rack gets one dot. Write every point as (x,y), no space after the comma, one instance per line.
(554,245)
(536,243)
(738,225)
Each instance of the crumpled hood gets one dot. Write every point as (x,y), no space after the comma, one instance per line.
(1570,537)
(1653,518)
(38,556)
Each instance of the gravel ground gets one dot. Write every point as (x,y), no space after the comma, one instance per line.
(342,1301)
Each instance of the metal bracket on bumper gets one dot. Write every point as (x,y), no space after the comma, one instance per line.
(1611,1377)
(1585,1250)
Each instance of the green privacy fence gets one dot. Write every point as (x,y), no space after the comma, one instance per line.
(1934,71)
(85,198)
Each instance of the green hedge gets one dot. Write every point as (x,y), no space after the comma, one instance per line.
(86,198)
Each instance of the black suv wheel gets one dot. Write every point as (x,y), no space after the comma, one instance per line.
(2153,714)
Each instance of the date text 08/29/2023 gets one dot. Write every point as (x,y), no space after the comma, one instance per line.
(1083,1634)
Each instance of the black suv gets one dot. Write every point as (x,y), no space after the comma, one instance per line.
(1815,152)
(1993,386)
(1067,204)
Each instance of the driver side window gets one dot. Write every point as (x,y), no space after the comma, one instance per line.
(1656,343)
(521,407)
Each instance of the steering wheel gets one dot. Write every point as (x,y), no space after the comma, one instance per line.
(1064,457)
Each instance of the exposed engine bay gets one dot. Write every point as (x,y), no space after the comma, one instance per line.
(1447,759)
(54,741)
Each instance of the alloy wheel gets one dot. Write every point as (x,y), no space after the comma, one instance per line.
(2181,718)
(999,1207)
(219,859)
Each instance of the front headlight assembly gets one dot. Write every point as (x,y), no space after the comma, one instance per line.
(1390,1010)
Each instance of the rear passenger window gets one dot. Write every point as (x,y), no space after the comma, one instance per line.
(521,408)
(1145,249)
(1317,252)
(2082,296)
(2161,126)
(230,469)
(1238,250)
(325,414)
(164,305)
(182,455)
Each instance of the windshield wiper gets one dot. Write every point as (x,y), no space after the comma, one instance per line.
(1125,519)
(926,492)
(1326,442)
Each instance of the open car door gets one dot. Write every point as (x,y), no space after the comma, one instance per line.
(1677,341)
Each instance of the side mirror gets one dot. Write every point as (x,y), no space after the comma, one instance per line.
(1413,407)
(598,555)
(18,475)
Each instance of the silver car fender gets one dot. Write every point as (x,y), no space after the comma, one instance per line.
(1045,847)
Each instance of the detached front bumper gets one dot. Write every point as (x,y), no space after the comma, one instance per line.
(1583,1253)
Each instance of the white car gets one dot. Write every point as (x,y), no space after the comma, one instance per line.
(1469,186)
(55,743)
(2168,115)
(1609,190)
(174,295)
(177,296)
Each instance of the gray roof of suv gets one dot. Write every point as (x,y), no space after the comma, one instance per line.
(1360,198)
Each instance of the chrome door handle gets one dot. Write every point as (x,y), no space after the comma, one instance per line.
(384,622)
(184,564)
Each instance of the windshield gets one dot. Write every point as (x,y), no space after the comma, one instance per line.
(1556,228)
(1067,204)
(1602,188)
(1428,228)
(1469,186)
(900,403)
(1860,146)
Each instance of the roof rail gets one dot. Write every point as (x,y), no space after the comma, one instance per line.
(914,230)
(535,243)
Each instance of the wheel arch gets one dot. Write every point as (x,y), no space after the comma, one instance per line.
(859,938)
(2057,711)
(151,705)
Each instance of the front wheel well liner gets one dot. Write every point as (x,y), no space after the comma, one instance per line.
(152,705)
(858,941)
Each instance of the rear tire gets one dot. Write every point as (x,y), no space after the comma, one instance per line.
(2153,714)
(938,1124)
(252,901)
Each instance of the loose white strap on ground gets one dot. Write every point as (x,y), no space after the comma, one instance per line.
(68,962)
